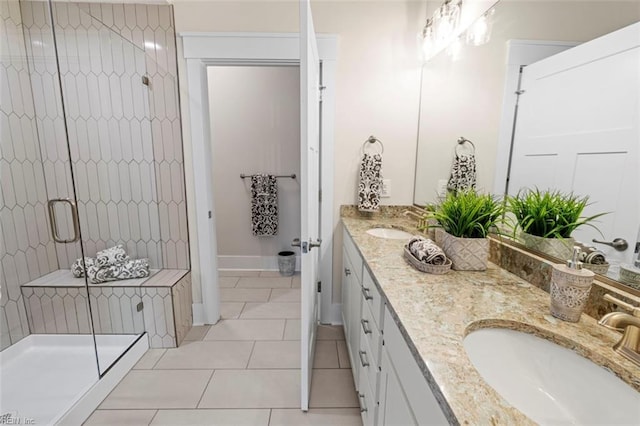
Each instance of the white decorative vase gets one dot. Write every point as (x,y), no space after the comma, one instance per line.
(466,254)
(561,248)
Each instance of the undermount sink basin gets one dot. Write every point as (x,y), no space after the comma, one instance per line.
(389,233)
(549,383)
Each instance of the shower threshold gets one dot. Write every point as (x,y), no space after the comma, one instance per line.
(53,378)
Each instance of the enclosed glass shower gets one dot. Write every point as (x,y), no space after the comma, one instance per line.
(90,159)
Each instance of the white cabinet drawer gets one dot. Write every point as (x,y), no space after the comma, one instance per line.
(368,364)
(368,404)
(371,334)
(354,255)
(372,297)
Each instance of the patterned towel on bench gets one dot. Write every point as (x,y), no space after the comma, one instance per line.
(138,268)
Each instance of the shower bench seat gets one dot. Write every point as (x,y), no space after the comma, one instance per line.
(160,305)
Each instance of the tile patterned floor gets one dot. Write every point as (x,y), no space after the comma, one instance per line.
(243,370)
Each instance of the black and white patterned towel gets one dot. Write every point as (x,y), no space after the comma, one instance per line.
(110,265)
(80,265)
(264,205)
(426,251)
(111,256)
(138,268)
(463,173)
(370,185)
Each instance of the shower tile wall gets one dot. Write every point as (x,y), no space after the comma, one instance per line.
(151,29)
(125,137)
(26,249)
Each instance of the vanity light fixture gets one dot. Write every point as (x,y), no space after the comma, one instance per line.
(480,32)
(441,27)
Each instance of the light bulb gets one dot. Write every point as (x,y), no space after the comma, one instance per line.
(427,40)
(454,49)
(480,31)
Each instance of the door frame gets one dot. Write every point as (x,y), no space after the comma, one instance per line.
(201,50)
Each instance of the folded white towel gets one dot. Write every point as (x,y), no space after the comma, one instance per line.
(426,251)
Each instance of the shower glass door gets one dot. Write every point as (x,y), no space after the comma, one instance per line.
(106,102)
(44,310)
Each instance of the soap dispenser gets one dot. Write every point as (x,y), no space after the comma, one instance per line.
(570,287)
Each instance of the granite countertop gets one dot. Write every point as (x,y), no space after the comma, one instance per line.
(436,312)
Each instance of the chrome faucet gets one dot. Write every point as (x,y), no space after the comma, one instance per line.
(629,325)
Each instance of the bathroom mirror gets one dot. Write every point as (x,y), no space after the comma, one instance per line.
(469,90)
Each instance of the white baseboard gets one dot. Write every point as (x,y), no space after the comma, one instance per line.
(333,315)
(198,313)
(199,318)
(251,263)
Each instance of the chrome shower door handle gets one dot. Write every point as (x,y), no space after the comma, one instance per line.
(619,244)
(53,222)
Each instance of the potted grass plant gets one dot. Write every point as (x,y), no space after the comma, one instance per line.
(464,219)
(546,220)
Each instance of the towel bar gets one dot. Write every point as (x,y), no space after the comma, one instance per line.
(292,176)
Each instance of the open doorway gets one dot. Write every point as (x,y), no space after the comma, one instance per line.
(255,129)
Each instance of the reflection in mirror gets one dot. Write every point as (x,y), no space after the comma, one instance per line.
(472,94)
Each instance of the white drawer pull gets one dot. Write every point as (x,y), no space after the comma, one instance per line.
(363,407)
(365,326)
(365,292)
(363,359)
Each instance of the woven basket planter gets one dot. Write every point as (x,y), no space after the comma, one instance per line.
(561,248)
(601,268)
(466,254)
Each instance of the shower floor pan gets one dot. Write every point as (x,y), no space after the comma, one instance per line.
(53,378)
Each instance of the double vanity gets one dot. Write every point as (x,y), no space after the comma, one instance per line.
(469,347)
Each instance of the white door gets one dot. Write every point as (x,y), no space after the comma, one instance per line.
(309,193)
(577,130)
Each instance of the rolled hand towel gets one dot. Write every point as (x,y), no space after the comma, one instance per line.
(426,251)
(596,257)
(80,265)
(111,256)
(138,268)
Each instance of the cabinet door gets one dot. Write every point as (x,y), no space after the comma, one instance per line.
(394,407)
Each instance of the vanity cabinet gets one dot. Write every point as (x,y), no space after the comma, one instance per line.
(352,302)
(390,386)
(362,318)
